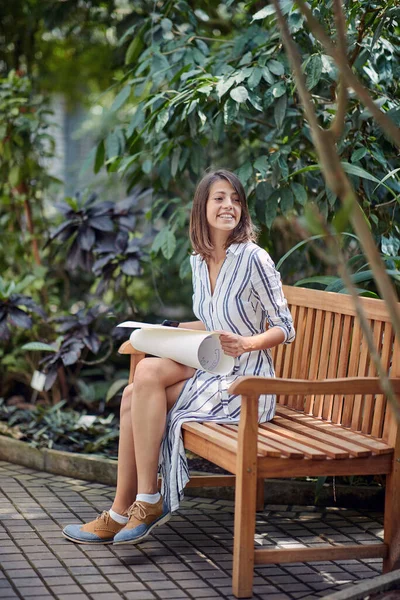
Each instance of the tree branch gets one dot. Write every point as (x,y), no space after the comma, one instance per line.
(351,79)
(338,123)
(357,48)
(337,126)
(339,183)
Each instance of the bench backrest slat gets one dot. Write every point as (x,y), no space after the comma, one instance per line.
(330,344)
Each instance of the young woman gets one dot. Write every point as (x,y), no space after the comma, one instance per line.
(238,292)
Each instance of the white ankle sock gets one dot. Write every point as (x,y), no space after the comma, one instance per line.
(150,498)
(118,518)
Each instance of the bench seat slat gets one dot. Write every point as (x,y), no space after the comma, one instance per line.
(323,434)
(232,432)
(372,444)
(314,438)
(315,449)
(216,437)
(265,429)
(280,446)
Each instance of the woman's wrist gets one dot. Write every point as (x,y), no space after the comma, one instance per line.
(247,344)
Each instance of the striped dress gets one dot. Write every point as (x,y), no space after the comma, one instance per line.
(247,298)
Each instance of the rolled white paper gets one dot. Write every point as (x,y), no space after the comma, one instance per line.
(191,347)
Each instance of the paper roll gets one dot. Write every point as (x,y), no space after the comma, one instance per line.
(194,348)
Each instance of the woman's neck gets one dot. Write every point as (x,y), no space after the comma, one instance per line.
(219,252)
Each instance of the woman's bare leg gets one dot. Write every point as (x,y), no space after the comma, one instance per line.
(173,378)
(126,477)
(149,411)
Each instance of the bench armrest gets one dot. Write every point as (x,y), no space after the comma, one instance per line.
(127,348)
(255,386)
(136,357)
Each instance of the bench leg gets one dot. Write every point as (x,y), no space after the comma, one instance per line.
(245,501)
(392,518)
(260,495)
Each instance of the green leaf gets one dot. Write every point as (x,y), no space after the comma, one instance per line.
(280,110)
(278,89)
(393,172)
(390,245)
(134,48)
(166,24)
(136,121)
(299,192)
(162,120)
(324,279)
(112,145)
(305,170)
(261,165)
(287,199)
(255,101)
(313,71)
(263,191)
(223,85)
(361,292)
(358,154)
(168,244)
(218,128)
(14,175)
(246,59)
(276,67)
(254,78)
(245,172)
(299,245)
(88,162)
(239,94)
(283,167)
(264,13)
(185,269)
(147,166)
(115,387)
(100,155)
(175,160)
(361,277)
(40,346)
(360,172)
(271,209)
(266,74)
(230,111)
(121,98)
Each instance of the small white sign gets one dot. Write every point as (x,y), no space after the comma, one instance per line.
(38,380)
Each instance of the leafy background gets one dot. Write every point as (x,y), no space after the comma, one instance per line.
(183,88)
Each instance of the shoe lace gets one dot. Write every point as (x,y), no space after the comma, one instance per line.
(137,510)
(104,516)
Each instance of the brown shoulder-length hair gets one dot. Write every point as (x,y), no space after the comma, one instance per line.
(199,231)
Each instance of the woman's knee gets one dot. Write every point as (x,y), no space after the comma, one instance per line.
(148,372)
(126,400)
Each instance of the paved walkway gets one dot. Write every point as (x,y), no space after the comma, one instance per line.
(190,557)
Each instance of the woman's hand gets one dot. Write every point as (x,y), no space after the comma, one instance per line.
(232,343)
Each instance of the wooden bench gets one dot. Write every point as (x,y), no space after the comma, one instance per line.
(331,419)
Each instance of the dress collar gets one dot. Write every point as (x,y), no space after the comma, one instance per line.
(234,248)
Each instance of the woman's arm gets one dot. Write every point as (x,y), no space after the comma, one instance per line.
(193,325)
(235,345)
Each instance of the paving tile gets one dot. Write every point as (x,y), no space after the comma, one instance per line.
(35,592)
(189,558)
(139,595)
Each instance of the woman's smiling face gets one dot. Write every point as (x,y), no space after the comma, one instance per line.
(223,208)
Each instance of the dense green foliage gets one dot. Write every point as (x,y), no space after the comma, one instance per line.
(211,86)
(192,86)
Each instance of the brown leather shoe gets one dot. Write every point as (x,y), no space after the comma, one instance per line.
(143,517)
(100,531)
